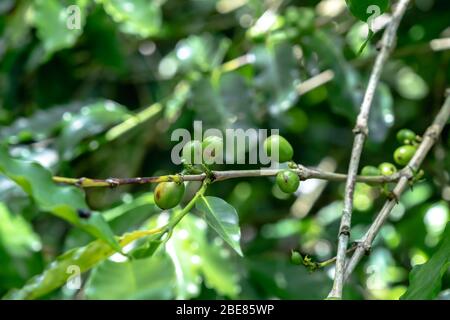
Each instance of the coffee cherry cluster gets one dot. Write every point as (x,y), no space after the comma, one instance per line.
(402,155)
(168,195)
(279,149)
(409,141)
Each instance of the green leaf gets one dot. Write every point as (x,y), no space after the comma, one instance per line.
(425,280)
(223,218)
(344,91)
(57,273)
(137,17)
(50,19)
(20,249)
(277,76)
(62,201)
(382,115)
(220,106)
(90,121)
(193,256)
(363,10)
(151,278)
(16,234)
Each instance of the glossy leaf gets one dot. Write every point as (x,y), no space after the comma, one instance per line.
(137,17)
(91,120)
(57,273)
(223,218)
(277,76)
(61,201)
(151,278)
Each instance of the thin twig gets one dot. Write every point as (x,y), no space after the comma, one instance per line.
(429,139)
(361,131)
(303,172)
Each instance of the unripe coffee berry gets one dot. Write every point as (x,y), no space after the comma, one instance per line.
(277,144)
(168,194)
(212,150)
(370,171)
(192,152)
(288,181)
(405,136)
(403,154)
(387,169)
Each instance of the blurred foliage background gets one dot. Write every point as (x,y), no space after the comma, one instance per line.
(102,102)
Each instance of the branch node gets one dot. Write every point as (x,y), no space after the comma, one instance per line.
(345,230)
(433,132)
(360,129)
(79,182)
(113,183)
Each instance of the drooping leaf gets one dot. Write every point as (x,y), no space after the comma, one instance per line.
(223,218)
(277,76)
(425,280)
(224,105)
(62,201)
(345,89)
(57,273)
(151,278)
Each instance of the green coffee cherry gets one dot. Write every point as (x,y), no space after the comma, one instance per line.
(387,169)
(403,154)
(212,150)
(288,181)
(370,171)
(192,152)
(362,9)
(406,136)
(278,143)
(168,194)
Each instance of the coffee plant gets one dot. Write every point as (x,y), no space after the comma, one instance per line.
(224,149)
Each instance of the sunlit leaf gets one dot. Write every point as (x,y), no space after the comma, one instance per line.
(138,17)
(223,218)
(60,201)
(92,119)
(57,272)
(151,278)
(51,20)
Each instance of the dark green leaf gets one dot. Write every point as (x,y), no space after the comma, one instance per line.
(425,280)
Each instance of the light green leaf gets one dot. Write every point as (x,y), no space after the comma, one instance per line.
(151,278)
(194,256)
(16,234)
(62,201)
(51,20)
(425,280)
(57,273)
(223,218)
(138,17)
(91,120)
